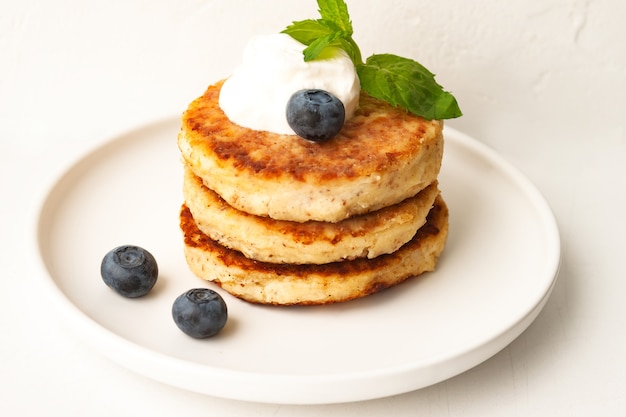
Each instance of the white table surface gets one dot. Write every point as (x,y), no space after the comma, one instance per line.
(563,126)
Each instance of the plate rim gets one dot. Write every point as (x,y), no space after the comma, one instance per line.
(262,386)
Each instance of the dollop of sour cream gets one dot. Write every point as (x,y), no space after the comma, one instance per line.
(272,70)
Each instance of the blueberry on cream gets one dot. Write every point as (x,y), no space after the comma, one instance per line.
(315,115)
(272,70)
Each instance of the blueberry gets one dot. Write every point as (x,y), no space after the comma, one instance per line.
(200,313)
(129,270)
(315,115)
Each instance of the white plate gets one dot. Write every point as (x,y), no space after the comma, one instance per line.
(495,275)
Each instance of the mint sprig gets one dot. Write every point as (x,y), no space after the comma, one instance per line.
(321,33)
(399,81)
(405,83)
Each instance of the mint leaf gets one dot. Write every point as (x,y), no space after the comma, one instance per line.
(337,39)
(406,83)
(318,34)
(307,31)
(352,49)
(317,46)
(336,11)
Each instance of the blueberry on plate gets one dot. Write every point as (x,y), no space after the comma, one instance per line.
(315,115)
(200,313)
(129,270)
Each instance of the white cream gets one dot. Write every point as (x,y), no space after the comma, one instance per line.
(272,69)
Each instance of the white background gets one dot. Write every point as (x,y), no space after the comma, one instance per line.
(543,82)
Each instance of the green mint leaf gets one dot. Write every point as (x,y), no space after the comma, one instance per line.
(336,11)
(307,31)
(318,34)
(404,82)
(336,39)
(317,46)
(352,49)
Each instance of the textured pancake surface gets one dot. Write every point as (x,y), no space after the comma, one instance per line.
(382,156)
(286,284)
(280,241)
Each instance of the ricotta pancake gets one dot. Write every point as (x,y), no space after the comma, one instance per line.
(382,156)
(281,241)
(287,284)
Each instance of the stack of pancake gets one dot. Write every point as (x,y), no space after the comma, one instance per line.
(276,219)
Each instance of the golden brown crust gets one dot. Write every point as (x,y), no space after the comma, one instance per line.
(376,139)
(280,241)
(382,156)
(287,284)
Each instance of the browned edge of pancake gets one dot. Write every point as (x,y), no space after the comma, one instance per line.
(364,236)
(382,156)
(377,139)
(429,239)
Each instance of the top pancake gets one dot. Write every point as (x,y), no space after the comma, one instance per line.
(382,156)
